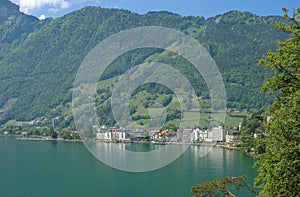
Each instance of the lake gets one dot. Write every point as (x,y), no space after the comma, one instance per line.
(38,168)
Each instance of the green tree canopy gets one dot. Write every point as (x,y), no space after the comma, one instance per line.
(285,60)
(278,173)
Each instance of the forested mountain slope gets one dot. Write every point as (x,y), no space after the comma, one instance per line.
(37,73)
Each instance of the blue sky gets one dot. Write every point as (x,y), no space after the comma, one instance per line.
(206,8)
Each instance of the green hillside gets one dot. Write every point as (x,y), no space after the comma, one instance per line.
(37,74)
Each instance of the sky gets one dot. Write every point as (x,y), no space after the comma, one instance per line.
(206,8)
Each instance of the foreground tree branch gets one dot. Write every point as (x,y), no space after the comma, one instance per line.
(220,187)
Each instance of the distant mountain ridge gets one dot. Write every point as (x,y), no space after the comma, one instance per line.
(15,26)
(39,59)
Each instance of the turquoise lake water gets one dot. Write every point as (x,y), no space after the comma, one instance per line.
(37,168)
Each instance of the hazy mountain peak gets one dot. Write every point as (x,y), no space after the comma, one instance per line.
(7,9)
(13,23)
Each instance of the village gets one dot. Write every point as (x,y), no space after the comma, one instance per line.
(215,134)
(185,136)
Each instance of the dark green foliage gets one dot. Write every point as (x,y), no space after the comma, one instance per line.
(138,117)
(105,114)
(69,135)
(220,187)
(285,61)
(252,133)
(53,133)
(278,173)
(173,114)
(237,41)
(167,100)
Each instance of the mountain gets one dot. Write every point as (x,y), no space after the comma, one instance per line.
(37,73)
(15,26)
(13,23)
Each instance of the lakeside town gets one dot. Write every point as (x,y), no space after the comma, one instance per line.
(187,136)
(37,130)
(217,134)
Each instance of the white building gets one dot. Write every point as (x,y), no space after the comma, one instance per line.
(113,134)
(104,136)
(218,134)
(198,135)
(203,135)
(195,135)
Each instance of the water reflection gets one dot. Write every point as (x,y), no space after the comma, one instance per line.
(135,158)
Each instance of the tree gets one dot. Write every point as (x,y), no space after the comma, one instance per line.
(53,133)
(278,173)
(285,61)
(252,133)
(220,187)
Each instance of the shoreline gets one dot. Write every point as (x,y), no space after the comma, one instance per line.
(134,142)
(46,139)
(228,147)
(2,135)
(21,138)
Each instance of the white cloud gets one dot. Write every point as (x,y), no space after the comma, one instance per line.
(42,17)
(65,4)
(53,10)
(27,6)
